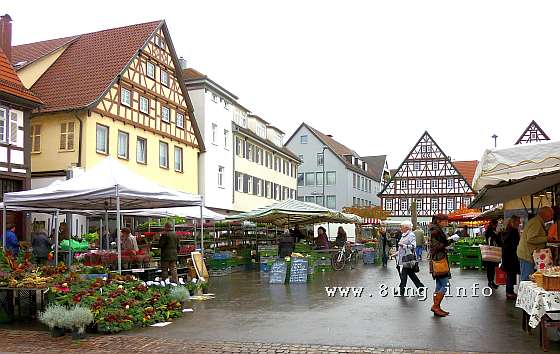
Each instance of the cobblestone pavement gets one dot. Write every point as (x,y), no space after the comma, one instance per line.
(23,341)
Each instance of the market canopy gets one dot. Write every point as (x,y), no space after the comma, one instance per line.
(185,212)
(509,190)
(293,211)
(515,163)
(97,189)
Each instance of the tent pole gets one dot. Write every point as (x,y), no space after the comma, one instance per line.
(56,237)
(118,228)
(201,226)
(101,233)
(107,232)
(4,226)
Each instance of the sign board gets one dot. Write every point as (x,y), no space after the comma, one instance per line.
(298,271)
(278,272)
(199,265)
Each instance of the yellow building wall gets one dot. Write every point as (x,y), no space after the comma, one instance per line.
(32,72)
(518,203)
(187,181)
(50,158)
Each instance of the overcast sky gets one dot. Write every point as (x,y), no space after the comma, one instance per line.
(375,75)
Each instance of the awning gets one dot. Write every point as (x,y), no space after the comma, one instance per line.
(291,211)
(505,191)
(514,163)
(185,212)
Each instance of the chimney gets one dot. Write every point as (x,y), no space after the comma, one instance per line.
(183,63)
(6,36)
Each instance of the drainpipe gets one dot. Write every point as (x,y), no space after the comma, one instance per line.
(79,163)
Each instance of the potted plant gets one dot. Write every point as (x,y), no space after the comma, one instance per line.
(204,287)
(191,287)
(77,319)
(180,294)
(53,317)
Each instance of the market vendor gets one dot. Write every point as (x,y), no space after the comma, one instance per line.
(41,246)
(534,237)
(297,234)
(128,241)
(169,246)
(12,243)
(322,240)
(286,245)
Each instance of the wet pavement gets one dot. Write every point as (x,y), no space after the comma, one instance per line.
(248,309)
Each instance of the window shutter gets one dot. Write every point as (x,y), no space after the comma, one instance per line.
(13,127)
(255,181)
(245,183)
(62,136)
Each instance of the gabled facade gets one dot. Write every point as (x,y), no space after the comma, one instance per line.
(245,165)
(327,165)
(16,104)
(116,92)
(532,134)
(428,177)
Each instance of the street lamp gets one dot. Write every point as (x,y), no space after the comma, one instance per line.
(324,177)
(495,137)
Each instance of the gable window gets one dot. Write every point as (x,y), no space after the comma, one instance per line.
(434,183)
(122,145)
(160,42)
(404,184)
(13,127)
(125,97)
(303,139)
(150,70)
(102,139)
(163,155)
(164,78)
(66,136)
(141,150)
(419,183)
(144,105)
(180,120)
(320,159)
(165,114)
(36,138)
(450,183)
(388,204)
(178,152)
(533,135)
(261,130)
(416,166)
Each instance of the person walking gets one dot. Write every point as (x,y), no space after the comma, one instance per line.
(438,252)
(534,238)
(407,246)
(12,243)
(510,262)
(419,233)
(492,239)
(384,246)
(41,246)
(169,246)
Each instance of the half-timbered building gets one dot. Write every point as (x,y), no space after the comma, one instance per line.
(117,92)
(428,178)
(532,134)
(16,104)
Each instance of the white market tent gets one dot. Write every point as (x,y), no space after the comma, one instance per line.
(108,185)
(506,174)
(185,212)
(293,211)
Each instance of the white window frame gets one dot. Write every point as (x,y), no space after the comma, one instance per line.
(416,166)
(144,105)
(178,168)
(404,204)
(165,114)
(165,146)
(4,125)
(126,97)
(330,173)
(331,201)
(164,78)
(180,120)
(450,204)
(304,139)
(404,184)
(388,204)
(151,65)
(450,183)
(119,146)
(67,134)
(419,204)
(106,147)
(35,138)
(434,204)
(144,158)
(434,184)
(419,184)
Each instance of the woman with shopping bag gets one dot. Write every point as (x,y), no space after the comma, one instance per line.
(492,253)
(407,257)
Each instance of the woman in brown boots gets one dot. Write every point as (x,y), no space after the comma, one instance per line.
(438,252)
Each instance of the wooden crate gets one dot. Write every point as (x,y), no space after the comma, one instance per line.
(551,283)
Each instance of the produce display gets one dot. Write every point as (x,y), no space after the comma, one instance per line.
(21,273)
(471,241)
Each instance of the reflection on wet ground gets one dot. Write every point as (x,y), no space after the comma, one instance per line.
(247,308)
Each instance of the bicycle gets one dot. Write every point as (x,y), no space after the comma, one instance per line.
(344,256)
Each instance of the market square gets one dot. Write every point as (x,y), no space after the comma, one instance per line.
(205,178)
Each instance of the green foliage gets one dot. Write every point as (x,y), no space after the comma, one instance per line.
(54,316)
(92,237)
(78,317)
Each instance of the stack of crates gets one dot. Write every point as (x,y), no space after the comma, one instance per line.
(470,257)
(454,256)
(267,256)
(324,264)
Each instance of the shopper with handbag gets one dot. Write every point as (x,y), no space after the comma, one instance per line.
(510,262)
(407,257)
(439,265)
(492,239)
(533,238)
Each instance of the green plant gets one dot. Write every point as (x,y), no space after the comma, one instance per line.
(191,286)
(179,293)
(204,285)
(54,316)
(92,237)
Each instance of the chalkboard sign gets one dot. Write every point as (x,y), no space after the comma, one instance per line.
(298,272)
(278,272)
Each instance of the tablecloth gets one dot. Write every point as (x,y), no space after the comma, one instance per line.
(536,301)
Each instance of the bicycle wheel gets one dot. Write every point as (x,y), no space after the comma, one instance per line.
(337,261)
(354,260)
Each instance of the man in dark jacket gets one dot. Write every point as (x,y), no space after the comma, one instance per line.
(41,246)
(510,262)
(169,246)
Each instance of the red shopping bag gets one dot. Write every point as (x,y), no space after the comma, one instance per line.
(500,276)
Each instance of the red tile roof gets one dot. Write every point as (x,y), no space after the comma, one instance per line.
(88,67)
(192,74)
(28,53)
(466,168)
(10,82)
